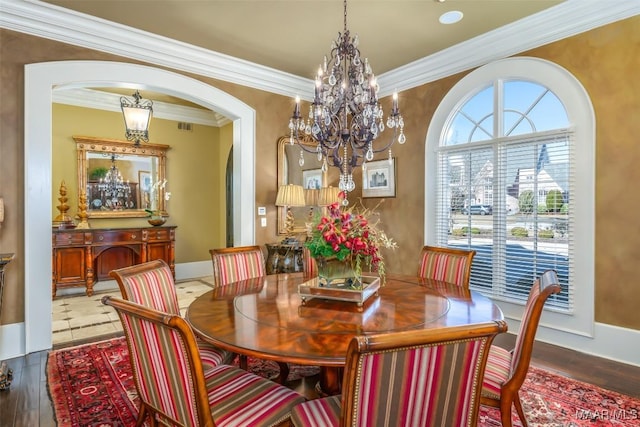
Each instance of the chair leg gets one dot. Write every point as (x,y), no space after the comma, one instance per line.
(244,364)
(142,414)
(518,403)
(505,412)
(284,373)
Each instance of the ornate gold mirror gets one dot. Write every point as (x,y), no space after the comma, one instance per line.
(309,175)
(120,179)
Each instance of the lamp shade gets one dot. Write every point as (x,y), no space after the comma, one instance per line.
(328,195)
(311,196)
(290,195)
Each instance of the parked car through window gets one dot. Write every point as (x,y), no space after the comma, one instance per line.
(478,210)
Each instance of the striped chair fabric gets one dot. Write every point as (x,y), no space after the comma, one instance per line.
(238,264)
(173,387)
(151,285)
(506,370)
(446,264)
(234,264)
(309,266)
(409,379)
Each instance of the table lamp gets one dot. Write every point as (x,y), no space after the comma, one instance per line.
(328,195)
(290,195)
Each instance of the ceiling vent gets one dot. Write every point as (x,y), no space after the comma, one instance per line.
(185,126)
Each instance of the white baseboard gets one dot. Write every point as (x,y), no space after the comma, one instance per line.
(608,341)
(193,270)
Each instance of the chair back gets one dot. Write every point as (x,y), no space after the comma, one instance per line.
(446,264)
(544,286)
(150,284)
(309,265)
(238,263)
(417,378)
(166,367)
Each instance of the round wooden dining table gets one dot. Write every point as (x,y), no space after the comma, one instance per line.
(266,318)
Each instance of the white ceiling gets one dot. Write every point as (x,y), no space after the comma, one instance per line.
(294,35)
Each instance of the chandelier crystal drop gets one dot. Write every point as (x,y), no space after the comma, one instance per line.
(345,117)
(113,187)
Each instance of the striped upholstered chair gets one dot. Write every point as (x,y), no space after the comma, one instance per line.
(151,284)
(236,264)
(408,379)
(446,264)
(507,370)
(171,383)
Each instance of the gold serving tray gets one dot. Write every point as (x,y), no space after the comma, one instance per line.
(339,292)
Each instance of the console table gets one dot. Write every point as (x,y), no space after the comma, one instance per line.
(83,257)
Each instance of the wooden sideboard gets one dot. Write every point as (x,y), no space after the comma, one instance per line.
(83,257)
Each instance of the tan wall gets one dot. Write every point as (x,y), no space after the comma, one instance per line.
(602,59)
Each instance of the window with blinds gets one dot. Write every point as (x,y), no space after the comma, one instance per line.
(504,188)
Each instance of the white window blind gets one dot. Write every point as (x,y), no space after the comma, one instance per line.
(504,189)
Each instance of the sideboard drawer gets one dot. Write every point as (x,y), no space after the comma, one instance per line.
(117,236)
(69,239)
(156,235)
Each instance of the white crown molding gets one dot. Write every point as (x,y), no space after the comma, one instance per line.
(56,23)
(111,102)
(564,20)
(556,23)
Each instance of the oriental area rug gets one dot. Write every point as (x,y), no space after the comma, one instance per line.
(92,385)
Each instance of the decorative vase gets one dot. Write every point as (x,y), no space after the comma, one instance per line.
(333,272)
(156,220)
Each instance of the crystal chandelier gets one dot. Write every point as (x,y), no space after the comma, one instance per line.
(345,116)
(137,115)
(113,187)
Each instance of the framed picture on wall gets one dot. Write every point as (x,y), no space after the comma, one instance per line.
(312,179)
(379,179)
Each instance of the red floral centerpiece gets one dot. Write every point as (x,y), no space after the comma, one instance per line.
(346,240)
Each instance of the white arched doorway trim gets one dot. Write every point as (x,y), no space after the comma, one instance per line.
(557,328)
(40,82)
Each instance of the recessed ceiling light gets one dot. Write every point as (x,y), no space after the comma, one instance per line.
(451,17)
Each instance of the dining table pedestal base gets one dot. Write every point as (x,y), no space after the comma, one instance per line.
(330,383)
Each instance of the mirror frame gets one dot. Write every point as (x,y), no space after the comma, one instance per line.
(85,144)
(282,170)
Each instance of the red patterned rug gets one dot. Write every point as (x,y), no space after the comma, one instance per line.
(91,385)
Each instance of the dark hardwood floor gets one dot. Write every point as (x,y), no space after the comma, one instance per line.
(27,402)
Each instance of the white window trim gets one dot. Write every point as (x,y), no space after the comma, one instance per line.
(581,116)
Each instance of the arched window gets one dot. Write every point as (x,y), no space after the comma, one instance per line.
(510,174)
